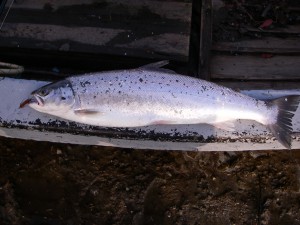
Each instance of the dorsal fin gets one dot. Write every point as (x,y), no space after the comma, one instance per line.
(157,66)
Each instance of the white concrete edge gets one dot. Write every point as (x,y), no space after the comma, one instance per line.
(141,144)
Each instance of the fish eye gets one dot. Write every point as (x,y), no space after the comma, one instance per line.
(44,92)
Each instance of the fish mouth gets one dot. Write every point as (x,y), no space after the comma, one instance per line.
(39,100)
(35,99)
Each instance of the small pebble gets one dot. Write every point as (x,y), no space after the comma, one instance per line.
(58,152)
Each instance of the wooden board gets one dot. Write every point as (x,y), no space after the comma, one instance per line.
(263,45)
(242,67)
(243,51)
(205,39)
(148,29)
(291,29)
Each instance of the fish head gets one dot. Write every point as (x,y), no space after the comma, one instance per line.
(57,96)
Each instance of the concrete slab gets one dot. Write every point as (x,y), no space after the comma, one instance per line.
(27,123)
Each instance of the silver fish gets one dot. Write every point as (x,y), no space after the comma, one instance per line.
(151,95)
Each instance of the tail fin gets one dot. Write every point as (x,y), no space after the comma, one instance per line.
(282,129)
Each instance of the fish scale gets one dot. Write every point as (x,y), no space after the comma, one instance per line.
(169,97)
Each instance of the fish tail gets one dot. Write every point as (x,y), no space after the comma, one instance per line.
(282,129)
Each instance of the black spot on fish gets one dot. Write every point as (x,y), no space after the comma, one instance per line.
(63,98)
(94,96)
(84,84)
(177,81)
(141,80)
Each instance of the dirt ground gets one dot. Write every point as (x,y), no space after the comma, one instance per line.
(51,184)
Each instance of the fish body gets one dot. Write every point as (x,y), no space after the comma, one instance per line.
(139,98)
(148,95)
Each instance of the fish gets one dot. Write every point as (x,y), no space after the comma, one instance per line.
(152,95)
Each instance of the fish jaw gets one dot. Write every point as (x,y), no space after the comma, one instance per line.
(39,100)
(35,100)
(62,111)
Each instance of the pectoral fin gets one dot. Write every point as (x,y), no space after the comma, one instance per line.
(87,112)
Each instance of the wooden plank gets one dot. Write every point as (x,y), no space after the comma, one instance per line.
(255,67)
(2,7)
(194,47)
(95,40)
(205,39)
(173,9)
(29,124)
(264,45)
(52,65)
(291,29)
(150,29)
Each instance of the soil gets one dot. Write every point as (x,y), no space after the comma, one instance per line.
(45,183)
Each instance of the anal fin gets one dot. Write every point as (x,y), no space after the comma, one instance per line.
(161,122)
(228,125)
